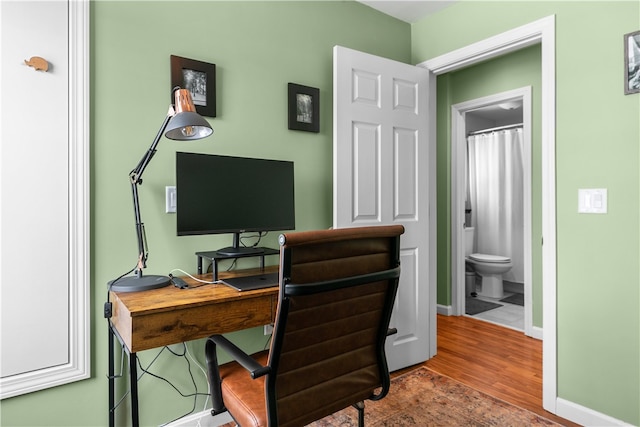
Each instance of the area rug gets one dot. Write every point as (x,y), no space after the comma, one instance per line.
(475,306)
(425,398)
(517,299)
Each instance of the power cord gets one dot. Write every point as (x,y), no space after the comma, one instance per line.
(202,282)
(108,309)
(146,371)
(193,381)
(204,373)
(259,236)
(107,315)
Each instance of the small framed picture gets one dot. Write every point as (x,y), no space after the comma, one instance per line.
(304,108)
(200,78)
(632,63)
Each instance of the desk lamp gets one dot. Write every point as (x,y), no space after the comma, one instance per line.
(182,123)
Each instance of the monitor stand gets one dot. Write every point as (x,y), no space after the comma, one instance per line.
(238,250)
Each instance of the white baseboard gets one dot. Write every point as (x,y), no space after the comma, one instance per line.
(445,310)
(584,416)
(536,332)
(202,419)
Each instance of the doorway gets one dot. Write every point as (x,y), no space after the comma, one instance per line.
(511,107)
(543,32)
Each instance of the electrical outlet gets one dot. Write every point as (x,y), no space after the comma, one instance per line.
(592,200)
(171,199)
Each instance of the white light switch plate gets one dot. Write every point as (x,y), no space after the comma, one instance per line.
(170,199)
(592,200)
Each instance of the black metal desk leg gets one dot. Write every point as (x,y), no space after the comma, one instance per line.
(112,390)
(133,378)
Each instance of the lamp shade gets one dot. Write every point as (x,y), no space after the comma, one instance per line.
(186,124)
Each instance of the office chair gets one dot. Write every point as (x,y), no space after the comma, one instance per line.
(337,290)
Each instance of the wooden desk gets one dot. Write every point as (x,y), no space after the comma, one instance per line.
(159,317)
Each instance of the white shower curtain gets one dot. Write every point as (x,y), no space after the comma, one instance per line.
(496,196)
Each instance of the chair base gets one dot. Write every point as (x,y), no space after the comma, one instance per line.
(360,407)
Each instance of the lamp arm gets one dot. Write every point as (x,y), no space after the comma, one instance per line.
(135,176)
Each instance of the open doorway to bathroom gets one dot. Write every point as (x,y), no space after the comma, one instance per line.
(491,209)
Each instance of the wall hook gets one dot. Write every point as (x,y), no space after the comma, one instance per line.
(37,63)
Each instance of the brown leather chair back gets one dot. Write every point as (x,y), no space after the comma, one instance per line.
(337,291)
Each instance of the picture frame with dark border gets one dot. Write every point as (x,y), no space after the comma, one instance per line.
(304,108)
(200,78)
(632,63)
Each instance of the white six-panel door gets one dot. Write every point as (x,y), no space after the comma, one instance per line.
(381,166)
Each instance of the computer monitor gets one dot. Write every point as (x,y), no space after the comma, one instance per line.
(224,194)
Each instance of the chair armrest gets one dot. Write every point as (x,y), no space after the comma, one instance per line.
(215,383)
(246,361)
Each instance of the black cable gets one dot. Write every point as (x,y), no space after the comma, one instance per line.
(144,371)
(193,381)
(147,371)
(107,304)
(259,236)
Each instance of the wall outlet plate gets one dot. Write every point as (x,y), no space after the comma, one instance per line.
(171,199)
(592,200)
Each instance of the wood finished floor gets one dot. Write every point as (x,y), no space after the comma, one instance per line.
(501,362)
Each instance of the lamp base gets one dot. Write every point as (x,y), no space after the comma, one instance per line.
(135,283)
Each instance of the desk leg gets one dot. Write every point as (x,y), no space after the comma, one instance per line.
(112,391)
(133,378)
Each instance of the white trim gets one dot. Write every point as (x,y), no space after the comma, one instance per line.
(549,285)
(493,47)
(585,416)
(433,214)
(202,419)
(537,333)
(78,367)
(543,32)
(445,310)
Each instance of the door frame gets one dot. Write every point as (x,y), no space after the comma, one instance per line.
(458,155)
(541,31)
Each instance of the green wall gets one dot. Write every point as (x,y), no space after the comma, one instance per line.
(508,72)
(258,47)
(597,140)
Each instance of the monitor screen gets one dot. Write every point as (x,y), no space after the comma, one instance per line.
(224,194)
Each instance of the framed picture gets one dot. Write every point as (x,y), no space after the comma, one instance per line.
(304,108)
(200,78)
(632,63)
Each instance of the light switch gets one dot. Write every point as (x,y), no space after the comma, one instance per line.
(170,199)
(592,200)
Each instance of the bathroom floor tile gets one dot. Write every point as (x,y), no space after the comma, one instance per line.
(509,315)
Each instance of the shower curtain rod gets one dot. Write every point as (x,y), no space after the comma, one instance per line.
(477,132)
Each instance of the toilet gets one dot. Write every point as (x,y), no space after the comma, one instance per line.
(489,267)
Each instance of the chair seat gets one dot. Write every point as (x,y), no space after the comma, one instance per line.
(246,401)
